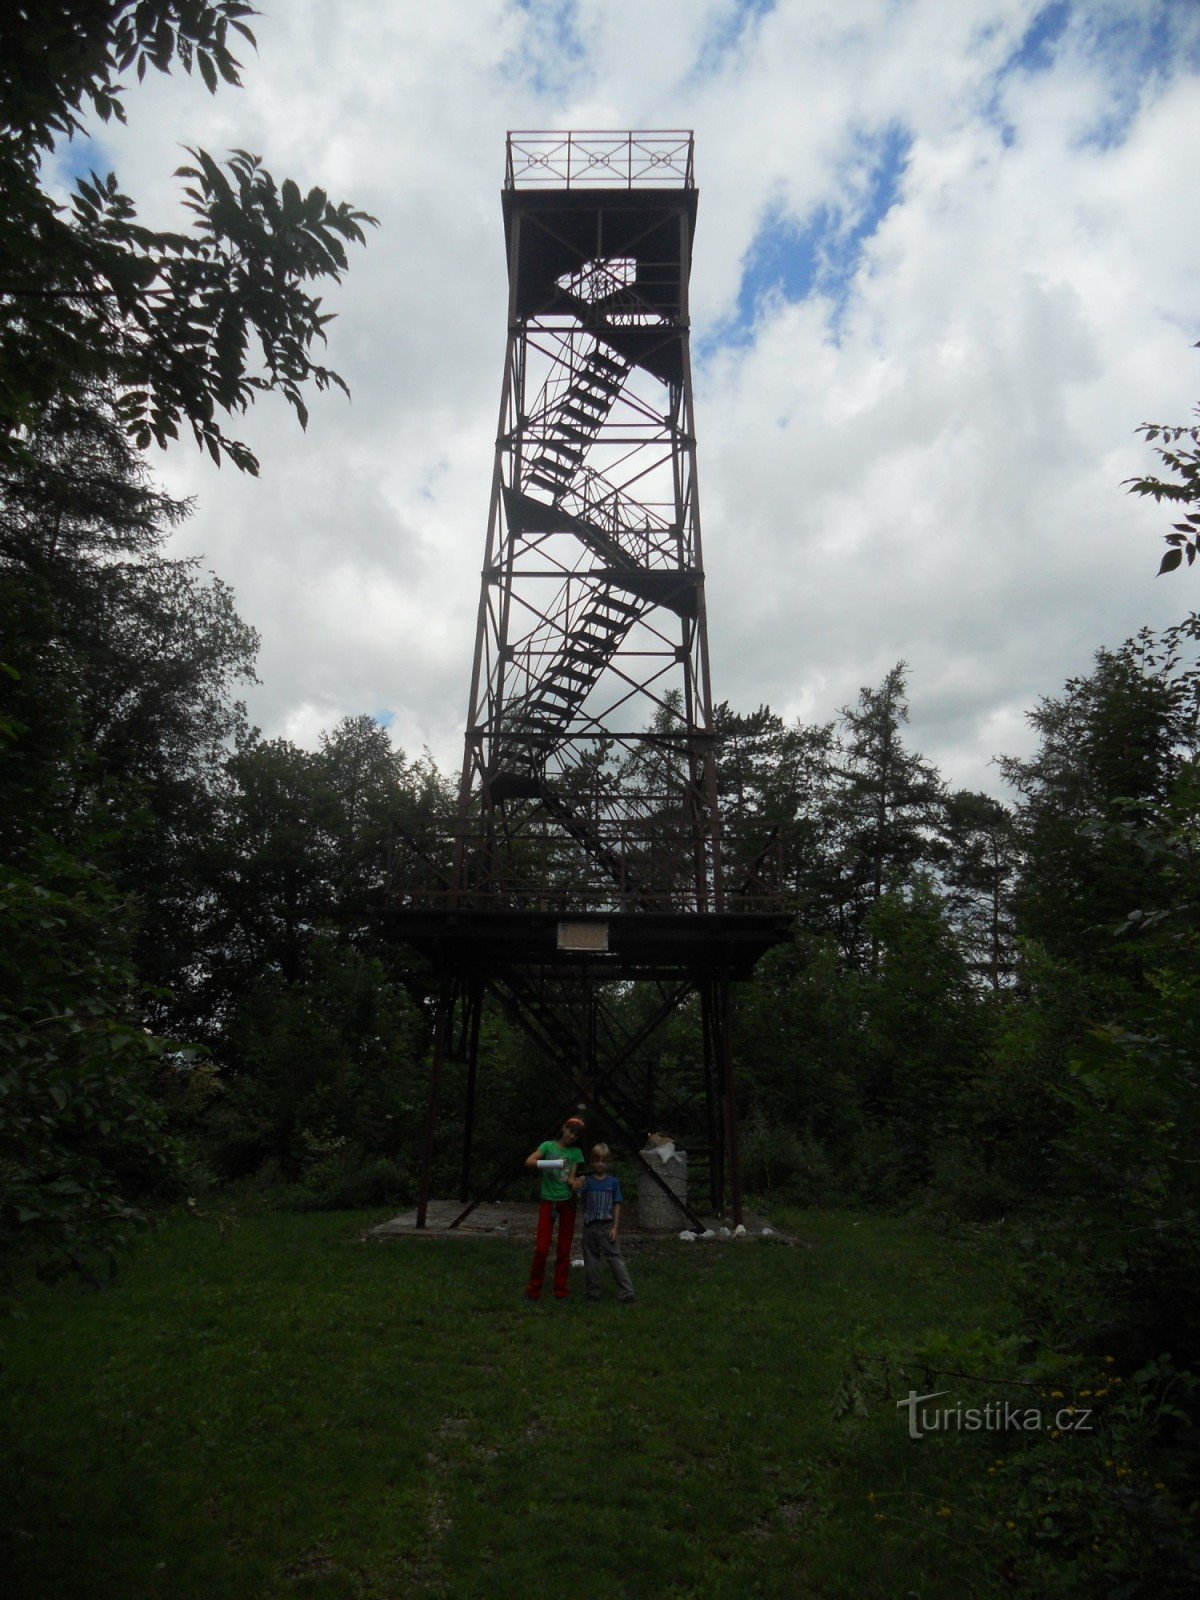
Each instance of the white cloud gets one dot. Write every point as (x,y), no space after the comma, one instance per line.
(929,470)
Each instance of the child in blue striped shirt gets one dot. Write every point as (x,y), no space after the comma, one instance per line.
(602,1201)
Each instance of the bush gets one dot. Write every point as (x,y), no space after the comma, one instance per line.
(963,1185)
(879,1171)
(375,1181)
(83,1143)
(341,1176)
(341,1053)
(784,1165)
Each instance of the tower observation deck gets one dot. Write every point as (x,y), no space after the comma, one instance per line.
(587,851)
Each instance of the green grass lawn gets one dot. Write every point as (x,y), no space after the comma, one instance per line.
(287,1410)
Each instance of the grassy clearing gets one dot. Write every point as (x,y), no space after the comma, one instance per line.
(290,1411)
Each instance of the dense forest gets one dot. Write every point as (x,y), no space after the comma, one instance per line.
(985,1007)
(989,1010)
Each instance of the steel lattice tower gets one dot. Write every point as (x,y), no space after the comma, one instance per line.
(587,850)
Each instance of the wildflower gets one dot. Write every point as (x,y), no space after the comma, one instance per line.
(1108,1360)
(1055,1433)
(991,1471)
(1084,1393)
(1010,1526)
(943,1511)
(1056,1394)
(1160,1487)
(1123,1472)
(879,1516)
(871,1496)
(1109,1461)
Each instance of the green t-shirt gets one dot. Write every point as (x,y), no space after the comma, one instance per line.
(554,1179)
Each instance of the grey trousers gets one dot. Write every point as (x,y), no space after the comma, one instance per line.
(597,1247)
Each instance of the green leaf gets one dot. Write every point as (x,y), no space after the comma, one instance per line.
(293,205)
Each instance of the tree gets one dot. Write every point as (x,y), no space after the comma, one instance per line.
(119,664)
(774,786)
(978,861)
(924,1028)
(167,321)
(82,1139)
(378,795)
(1171,441)
(890,799)
(74,506)
(117,704)
(327,1074)
(1111,748)
(126,664)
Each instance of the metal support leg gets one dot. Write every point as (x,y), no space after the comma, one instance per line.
(712,1103)
(441,1034)
(472,1012)
(725,1031)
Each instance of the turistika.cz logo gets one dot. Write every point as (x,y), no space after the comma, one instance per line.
(997,1416)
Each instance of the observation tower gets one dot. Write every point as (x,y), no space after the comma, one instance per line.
(586,891)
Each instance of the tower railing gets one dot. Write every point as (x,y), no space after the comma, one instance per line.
(571,159)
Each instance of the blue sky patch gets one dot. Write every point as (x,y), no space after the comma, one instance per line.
(79,158)
(1035,53)
(727,33)
(822,253)
(1036,50)
(553,46)
(1148,43)
(383,719)
(1141,50)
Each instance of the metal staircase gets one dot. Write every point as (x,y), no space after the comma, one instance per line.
(575,420)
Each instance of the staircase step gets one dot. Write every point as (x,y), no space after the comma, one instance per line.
(571,452)
(597,383)
(544,482)
(570,409)
(584,381)
(621,607)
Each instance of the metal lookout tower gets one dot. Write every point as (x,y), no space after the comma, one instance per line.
(587,857)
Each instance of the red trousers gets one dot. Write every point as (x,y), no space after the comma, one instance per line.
(541,1248)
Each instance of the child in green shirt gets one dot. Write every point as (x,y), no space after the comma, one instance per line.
(559,1183)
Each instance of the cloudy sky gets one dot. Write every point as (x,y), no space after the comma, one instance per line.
(945,262)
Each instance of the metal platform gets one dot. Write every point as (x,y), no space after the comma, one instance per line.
(614,947)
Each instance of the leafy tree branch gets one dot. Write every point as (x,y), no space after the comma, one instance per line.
(184,328)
